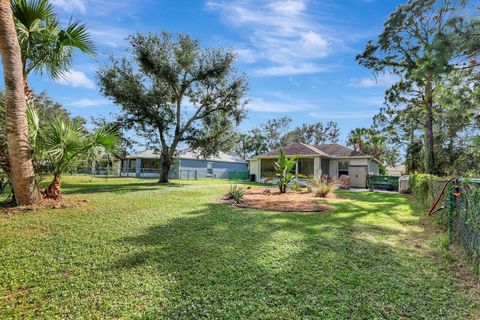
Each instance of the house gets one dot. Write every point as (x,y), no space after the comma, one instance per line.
(333,160)
(187,165)
(396,171)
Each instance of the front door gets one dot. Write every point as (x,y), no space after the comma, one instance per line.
(358,176)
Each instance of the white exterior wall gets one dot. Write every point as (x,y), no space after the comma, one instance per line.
(351,162)
(255,168)
(373,168)
(357,162)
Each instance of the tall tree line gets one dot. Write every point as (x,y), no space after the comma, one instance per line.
(277,132)
(433,111)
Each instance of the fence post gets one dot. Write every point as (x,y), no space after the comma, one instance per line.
(451,208)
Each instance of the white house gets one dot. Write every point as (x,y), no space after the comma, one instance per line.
(333,160)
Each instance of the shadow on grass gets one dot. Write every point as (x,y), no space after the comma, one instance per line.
(86,188)
(226,262)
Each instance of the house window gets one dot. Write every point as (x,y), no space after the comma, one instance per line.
(342,168)
(209,168)
(305,166)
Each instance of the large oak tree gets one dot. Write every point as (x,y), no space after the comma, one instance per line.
(176,94)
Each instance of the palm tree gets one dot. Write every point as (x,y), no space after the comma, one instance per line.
(376,144)
(45,46)
(19,158)
(63,141)
(355,138)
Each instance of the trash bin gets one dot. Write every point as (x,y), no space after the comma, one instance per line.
(252,177)
(404,184)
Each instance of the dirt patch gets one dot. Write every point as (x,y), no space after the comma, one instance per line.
(61,203)
(270,199)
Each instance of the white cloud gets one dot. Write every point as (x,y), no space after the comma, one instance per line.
(245,55)
(384,80)
(368,101)
(111,36)
(331,115)
(307,68)
(85,103)
(76,78)
(280,104)
(70,5)
(111,8)
(284,33)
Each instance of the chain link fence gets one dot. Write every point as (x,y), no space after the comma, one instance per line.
(461,217)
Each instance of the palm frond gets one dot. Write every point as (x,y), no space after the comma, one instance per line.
(28,13)
(77,36)
(46,47)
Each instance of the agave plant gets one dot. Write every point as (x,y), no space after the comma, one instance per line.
(63,141)
(284,167)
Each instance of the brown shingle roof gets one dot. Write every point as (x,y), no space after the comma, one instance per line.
(294,149)
(336,150)
(332,149)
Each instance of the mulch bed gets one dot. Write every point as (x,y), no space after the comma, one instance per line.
(61,203)
(270,199)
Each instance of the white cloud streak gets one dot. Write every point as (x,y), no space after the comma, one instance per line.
(71,5)
(281,32)
(76,79)
(338,115)
(383,80)
(85,103)
(279,103)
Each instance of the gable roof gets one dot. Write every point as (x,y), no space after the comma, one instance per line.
(189,155)
(326,150)
(296,148)
(337,150)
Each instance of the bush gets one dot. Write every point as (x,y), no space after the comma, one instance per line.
(422,187)
(319,186)
(235,193)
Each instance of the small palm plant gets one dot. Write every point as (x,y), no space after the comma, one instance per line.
(284,167)
(63,141)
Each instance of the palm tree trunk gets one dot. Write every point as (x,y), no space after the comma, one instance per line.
(29,96)
(22,174)
(53,190)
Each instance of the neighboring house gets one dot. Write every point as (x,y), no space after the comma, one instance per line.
(333,160)
(396,171)
(186,166)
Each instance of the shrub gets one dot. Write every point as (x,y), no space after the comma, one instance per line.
(235,193)
(320,187)
(422,186)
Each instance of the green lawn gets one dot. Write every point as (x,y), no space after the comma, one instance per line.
(143,251)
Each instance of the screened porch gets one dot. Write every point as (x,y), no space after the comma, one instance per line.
(304,166)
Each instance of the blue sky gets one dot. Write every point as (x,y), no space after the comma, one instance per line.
(299,56)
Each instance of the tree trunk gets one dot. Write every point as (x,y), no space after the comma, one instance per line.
(53,190)
(430,152)
(22,174)
(29,96)
(165,164)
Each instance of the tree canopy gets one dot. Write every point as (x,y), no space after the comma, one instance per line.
(176,94)
(418,45)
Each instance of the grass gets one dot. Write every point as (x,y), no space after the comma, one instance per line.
(144,251)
